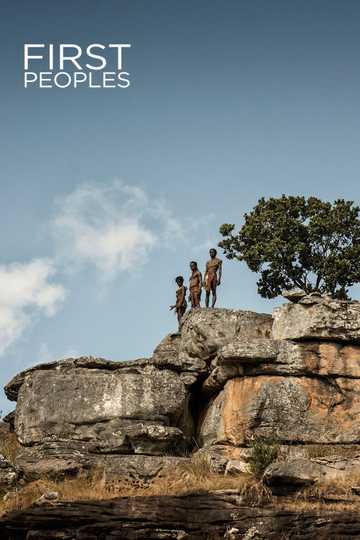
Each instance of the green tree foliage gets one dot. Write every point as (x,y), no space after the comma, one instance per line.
(293,242)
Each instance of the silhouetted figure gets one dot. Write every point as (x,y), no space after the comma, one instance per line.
(181,305)
(195,284)
(212,277)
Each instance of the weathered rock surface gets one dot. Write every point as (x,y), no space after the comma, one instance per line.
(249,356)
(70,458)
(97,405)
(294,295)
(327,358)
(88,362)
(270,357)
(292,409)
(8,473)
(293,474)
(204,331)
(312,358)
(289,475)
(166,354)
(218,515)
(249,351)
(70,415)
(318,318)
(219,375)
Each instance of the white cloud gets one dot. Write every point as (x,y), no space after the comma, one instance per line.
(25,289)
(112,226)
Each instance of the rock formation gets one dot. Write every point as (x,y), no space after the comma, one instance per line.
(83,413)
(227,378)
(199,516)
(301,387)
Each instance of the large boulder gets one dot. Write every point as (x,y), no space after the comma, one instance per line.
(205,331)
(166,354)
(79,414)
(318,318)
(290,475)
(12,387)
(122,409)
(291,409)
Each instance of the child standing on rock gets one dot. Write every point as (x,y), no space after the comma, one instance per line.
(181,305)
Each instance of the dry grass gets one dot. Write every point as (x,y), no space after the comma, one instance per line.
(263,453)
(9,446)
(193,477)
(332,495)
(24,497)
(197,476)
(339,489)
(323,451)
(302,506)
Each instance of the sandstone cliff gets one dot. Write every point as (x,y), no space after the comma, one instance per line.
(228,378)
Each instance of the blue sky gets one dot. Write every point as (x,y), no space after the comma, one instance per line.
(106,195)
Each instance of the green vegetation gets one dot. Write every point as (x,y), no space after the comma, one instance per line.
(294,242)
(263,453)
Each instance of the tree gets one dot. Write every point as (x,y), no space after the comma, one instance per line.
(295,242)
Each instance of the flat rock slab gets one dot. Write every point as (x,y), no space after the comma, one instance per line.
(299,472)
(89,362)
(255,357)
(325,358)
(290,409)
(249,351)
(63,458)
(324,319)
(192,517)
(293,474)
(312,358)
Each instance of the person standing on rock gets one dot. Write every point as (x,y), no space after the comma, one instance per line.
(212,277)
(181,305)
(195,285)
